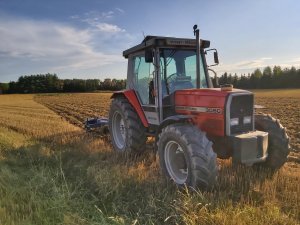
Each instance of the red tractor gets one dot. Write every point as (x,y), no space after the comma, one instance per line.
(170,96)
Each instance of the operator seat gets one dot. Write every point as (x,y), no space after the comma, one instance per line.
(168,101)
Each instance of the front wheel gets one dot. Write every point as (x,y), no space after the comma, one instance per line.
(186,156)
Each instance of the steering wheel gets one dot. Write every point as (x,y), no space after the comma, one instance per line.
(170,82)
(172,76)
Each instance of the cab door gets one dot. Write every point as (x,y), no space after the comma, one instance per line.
(143,82)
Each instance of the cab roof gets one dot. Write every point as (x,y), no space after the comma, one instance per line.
(158,41)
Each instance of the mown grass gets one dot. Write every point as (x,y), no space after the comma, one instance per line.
(52,172)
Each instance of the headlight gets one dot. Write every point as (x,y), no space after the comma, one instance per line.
(247,119)
(234,121)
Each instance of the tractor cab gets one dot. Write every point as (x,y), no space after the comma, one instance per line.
(160,66)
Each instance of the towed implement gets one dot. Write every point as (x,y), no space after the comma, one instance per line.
(170,96)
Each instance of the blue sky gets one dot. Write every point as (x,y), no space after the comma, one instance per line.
(85,39)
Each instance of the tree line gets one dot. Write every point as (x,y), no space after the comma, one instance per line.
(268,78)
(50,83)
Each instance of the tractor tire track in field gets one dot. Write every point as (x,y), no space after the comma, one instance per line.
(75,108)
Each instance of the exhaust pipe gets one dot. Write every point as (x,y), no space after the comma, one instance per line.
(196,33)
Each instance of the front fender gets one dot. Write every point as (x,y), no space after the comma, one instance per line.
(173,119)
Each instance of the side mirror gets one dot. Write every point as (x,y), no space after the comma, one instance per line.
(148,56)
(216,57)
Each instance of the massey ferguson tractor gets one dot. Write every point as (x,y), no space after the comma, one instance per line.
(170,96)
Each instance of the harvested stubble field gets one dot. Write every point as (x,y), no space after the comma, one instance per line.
(52,172)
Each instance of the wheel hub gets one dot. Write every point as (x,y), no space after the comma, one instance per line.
(118,130)
(176,162)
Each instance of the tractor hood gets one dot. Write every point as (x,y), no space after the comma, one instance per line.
(206,100)
(209,106)
(210,92)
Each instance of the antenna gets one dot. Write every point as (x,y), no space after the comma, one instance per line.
(143,34)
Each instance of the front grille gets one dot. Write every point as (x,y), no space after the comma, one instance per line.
(241,106)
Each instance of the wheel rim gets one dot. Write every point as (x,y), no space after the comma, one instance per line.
(176,162)
(118,130)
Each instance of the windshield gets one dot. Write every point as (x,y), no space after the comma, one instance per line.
(178,70)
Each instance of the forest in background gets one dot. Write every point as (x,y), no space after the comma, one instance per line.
(50,83)
(268,78)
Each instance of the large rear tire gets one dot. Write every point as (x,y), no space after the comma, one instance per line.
(278,140)
(128,134)
(186,156)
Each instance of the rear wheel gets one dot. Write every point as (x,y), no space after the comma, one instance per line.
(186,156)
(278,140)
(126,129)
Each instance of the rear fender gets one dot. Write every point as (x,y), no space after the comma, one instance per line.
(130,95)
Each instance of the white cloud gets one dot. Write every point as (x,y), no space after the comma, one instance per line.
(244,65)
(250,65)
(107,15)
(98,20)
(74,17)
(99,15)
(120,10)
(28,46)
(104,15)
(104,27)
(295,61)
(111,28)
(93,17)
(289,64)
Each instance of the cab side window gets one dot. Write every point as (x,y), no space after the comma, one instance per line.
(143,73)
